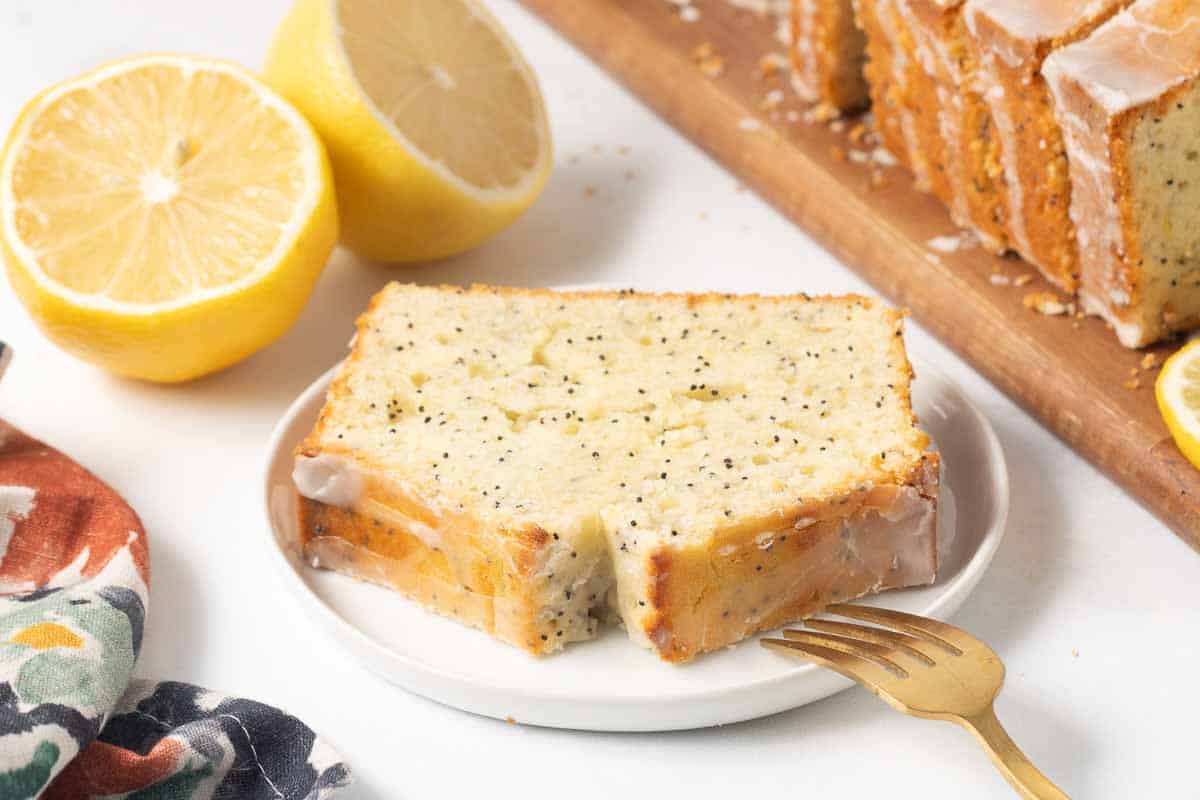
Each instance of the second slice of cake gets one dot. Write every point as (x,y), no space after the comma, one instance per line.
(699,467)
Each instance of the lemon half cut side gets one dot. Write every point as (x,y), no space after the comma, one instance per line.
(164,216)
(435,123)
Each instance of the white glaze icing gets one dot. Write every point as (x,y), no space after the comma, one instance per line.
(1131,60)
(1030,21)
(328,479)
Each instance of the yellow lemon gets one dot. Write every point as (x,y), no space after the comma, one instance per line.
(1178,393)
(164,216)
(434,122)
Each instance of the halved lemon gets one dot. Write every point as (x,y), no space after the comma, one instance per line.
(1178,393)
(164,216)
(434,122)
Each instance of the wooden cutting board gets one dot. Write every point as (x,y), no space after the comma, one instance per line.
(1068,372)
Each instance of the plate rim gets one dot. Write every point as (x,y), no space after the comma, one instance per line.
(953,594)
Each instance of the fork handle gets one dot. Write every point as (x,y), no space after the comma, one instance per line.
(1016,768)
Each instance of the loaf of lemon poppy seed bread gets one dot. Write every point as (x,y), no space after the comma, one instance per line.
(697,467)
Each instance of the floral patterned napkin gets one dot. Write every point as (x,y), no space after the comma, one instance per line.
(74,575)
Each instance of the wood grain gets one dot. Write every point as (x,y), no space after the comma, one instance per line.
(1069,373)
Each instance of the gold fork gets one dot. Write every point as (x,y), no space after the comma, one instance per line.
(924,668)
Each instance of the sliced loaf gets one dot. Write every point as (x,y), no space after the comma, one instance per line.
(699,467)
(1011,39)
(1128,100)
(961,148)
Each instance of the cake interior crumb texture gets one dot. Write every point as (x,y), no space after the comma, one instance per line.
(1128,101)
(697,467)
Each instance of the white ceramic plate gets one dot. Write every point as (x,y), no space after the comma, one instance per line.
(611,684)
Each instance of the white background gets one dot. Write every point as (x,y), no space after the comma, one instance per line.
(1083,568)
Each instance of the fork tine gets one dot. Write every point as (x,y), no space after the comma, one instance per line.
(909,645)
(856,668)
(855,647)
(931,630)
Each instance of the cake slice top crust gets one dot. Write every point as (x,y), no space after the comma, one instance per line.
(1037,23)
(586,412)
(1136,57)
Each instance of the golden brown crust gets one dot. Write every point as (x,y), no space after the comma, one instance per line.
(481,591)
(759,577)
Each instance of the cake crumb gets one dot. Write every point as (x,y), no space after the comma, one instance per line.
(858,133)
(772,100)
(1133,384)
(689,13)
(589,191)
(1045,303)
(824,112)
(510,720)
(837,153)
(878,179)
(749,124)
(838,125)
(1022,280)
(1075,652)
(998,279)
(771,65)
(1150,361)
(707,60)
(883,157)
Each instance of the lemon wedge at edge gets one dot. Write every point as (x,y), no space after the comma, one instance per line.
(434,122)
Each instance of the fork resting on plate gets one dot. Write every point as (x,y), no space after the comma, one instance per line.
(925,668)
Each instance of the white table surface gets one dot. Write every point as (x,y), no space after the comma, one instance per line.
(1084,579)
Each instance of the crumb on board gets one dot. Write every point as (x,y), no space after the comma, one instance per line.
(771,65)
(589,191)
(878,179)
(706,58)
(1046,303)
(837,153)
(858,133)
(749,124)
(1023,279)
(689,13)
(953,243)
(1133,384)
(999,279)
(1150,361)
(883,157)
(510,720)
(772,100)
(824,112)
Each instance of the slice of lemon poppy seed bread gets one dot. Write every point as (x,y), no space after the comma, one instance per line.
(699,467)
